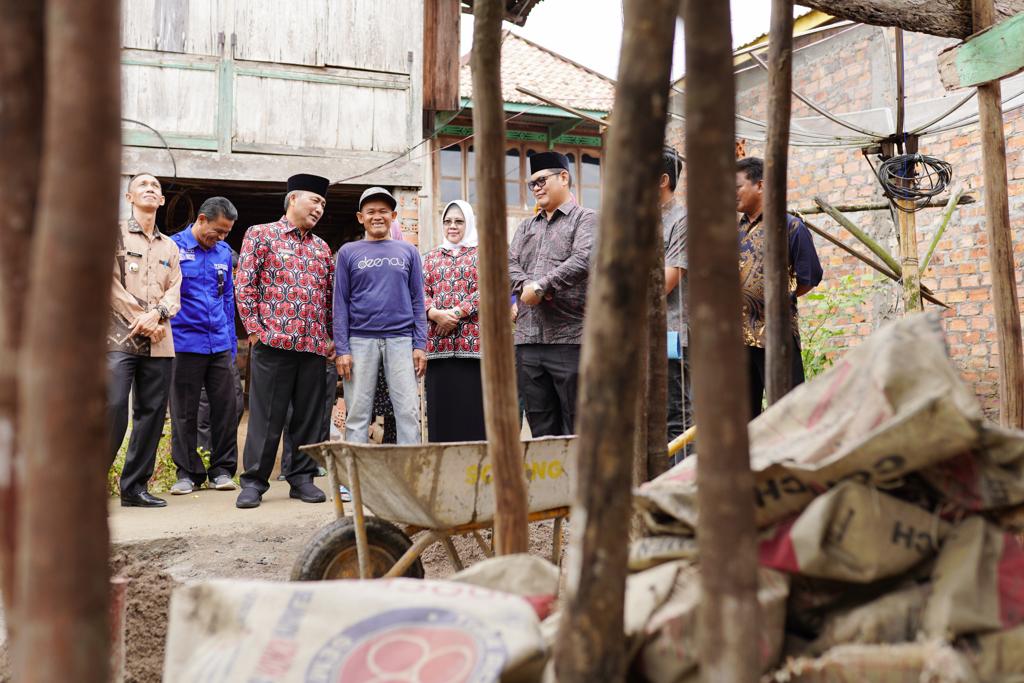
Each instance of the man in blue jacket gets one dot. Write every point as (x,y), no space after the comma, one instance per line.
(205,342)
(379,318)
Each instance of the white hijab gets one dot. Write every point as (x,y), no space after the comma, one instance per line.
(468,237)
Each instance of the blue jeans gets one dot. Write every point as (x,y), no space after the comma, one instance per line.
(367,354)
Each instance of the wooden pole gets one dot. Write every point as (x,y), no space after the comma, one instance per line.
(21,129)
(657,368)
(501,406)
(778,308)
(589,645)
(728,620)
(911,277)
(1000,240)
(63,556)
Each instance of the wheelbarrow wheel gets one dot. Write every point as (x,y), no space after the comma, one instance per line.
(331,553)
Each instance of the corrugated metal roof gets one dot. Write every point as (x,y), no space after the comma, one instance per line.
(527,64)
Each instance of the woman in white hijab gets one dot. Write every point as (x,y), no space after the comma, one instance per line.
(455,404)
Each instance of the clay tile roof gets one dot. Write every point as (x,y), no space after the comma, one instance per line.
(527,64)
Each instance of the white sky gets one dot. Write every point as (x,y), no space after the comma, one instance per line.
(590,31)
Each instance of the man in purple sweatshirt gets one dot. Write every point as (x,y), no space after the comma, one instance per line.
(379,317)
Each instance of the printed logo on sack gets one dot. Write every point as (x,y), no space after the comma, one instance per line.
(378,262)
(413,645)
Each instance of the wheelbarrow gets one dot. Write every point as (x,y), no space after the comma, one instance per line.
(434,490)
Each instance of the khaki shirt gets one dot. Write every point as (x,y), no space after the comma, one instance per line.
(152,276)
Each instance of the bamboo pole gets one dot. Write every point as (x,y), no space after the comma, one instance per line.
(501,406)
(589,645)
(882,206)
(21,129)
(778,307)
(940,229)
(63,557)
(861,236)
(997,226)
(727,538)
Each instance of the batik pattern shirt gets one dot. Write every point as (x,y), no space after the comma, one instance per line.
(556,255)
(804,269)
(449,282)
(284,287)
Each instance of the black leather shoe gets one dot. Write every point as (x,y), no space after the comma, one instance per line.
(249,498)
(143,499)
(307,493)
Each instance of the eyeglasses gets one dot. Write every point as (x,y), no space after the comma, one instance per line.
(539,182)
(453,221)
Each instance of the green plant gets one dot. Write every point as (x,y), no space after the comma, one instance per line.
(818,345)
(165,472)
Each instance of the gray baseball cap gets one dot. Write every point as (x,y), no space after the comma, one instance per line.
(377,193)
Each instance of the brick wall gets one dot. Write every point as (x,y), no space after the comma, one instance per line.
(850,74)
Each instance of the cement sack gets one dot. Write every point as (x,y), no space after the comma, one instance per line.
(996,657)
(529,576)
(988,477)
(650,551)
(892,618)
(661,617)
(351,631)
(853,533)
(931,662)
(978,582)
(893,405)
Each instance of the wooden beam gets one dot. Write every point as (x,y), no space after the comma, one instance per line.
(501,405)
(564,107)
(589,645)
(64,553)
(726,535)
(995,53)
(21,128)
(441,55)
(1000,241)
(779,346)
(947,18)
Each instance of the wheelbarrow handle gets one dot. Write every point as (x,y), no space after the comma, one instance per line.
(677,444)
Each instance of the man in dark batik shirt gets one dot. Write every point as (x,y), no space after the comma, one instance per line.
(548,263)
(804,274)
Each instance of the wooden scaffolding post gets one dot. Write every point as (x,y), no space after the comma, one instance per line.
(1000,240)
(589,645)
(63,569)
(21,129)
(501,406)
(911,277)
(778,308)
(726,535)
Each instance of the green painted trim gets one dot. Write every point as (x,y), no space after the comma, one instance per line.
(225,104)
(995,53)
(171,64)
(542,109)
(321,78)
(528,136)
(560,128)
(145,138)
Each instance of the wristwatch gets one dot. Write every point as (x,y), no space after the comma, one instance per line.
(458,312)
(164,313)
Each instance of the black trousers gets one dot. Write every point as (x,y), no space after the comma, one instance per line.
(548,375)
(148,381)
(330,398)
(680,401)
(203,420)
(758,374)
(280,379)
(455,400)
(192,373)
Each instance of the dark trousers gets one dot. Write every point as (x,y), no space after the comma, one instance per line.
(280,379)
(758,374)
(680,401)
(330,397)
(192,373)
(204,440)
(148,380)
(548,375)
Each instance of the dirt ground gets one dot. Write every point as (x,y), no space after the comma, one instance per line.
(204,536)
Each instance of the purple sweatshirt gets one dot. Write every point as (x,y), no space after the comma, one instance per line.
(378,293)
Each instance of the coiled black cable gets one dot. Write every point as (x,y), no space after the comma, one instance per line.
(917,177)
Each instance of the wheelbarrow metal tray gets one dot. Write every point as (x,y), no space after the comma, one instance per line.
(442,486)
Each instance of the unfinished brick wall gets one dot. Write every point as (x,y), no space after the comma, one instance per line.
(853,71)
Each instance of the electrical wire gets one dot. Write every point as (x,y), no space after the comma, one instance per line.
(901,178)
(174,164)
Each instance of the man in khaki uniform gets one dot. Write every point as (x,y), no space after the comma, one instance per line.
(146,294)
